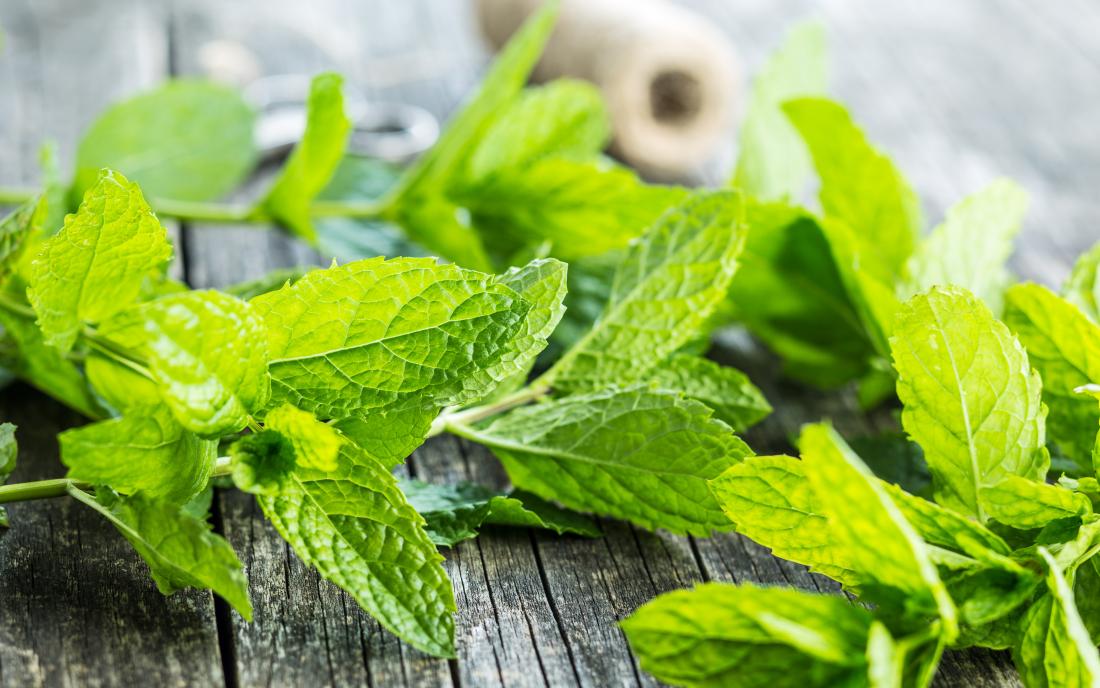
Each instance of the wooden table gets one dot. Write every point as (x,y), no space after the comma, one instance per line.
(958,91)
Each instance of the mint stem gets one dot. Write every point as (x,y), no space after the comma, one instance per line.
(450,419)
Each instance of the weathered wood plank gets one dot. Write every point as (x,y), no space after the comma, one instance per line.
(79,605)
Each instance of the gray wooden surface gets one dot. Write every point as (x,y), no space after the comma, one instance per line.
(959,91)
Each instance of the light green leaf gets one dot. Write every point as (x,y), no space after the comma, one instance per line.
(316,444)
(972,245)
(206,352)
(95,266)
(908,662)
(389,436)
(790,293)
(770,500)
(945,528)
(773,163)
(146,451)
(263,462)
(178,547)
(971,399)
(1093,391)
(728,391)
(1082,289)
(444,229)
(314,159)
(186,140)
(9,452)
(1055,649)
(747,636)
(118,386)
(45,367)
(1064,346)
(1023,503)
(667,285)
(634,454)
(354,526)
(388,333)
(582,207)
(870,528)
(860,186)
(16,231)
(498,90)
(456,512)
(565,118)
(276,279)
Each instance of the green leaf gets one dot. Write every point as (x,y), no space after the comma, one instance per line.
(354,526)
(95,266)
(444,229)
(895,459)
(734,399)
(206,352)
(773,163)
(178,547)
(945,528)
(498,90)
(790,293)
(565,118)
(186,140)
(16,231)
(1064,346)
(1082,289)
(389,436)
(316,445)
(1093,391)
(45,367)
(314,159)
(118,386)
(908,662)
(860,186)
(1056,649)
(1024,504)
(9,452)
(971,399)
(870,528)
(388,333)
(634,454)
(747,636)
(263,462)
(582,207)
(770,500)
(146,451)
(456,512)
(667,285)
(272,281)
(972,245)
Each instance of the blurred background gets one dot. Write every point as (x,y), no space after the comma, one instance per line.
(958,92)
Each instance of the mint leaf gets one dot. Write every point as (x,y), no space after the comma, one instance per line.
(945,528)
(773,163)
(668,283)
(743,635)
(147,451)
(444,229)
(860,186)
(582,207)
(633,454)
(354,526)
(95,266)
(565,118)
(316,445)
(178,547)
(388,333)
(456,512)
(263,462)
(389,436)
(770,500)
(907,661)
(1055,649)
(119,387)
(971,399)
(1024,504)
(9,452)
(272,281)
(1082,289)
(734,399)
(864,521)
(972,245)
(1064,346)
(314,159)
(790,293)
(205,350)
(16,231)
(186,140)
